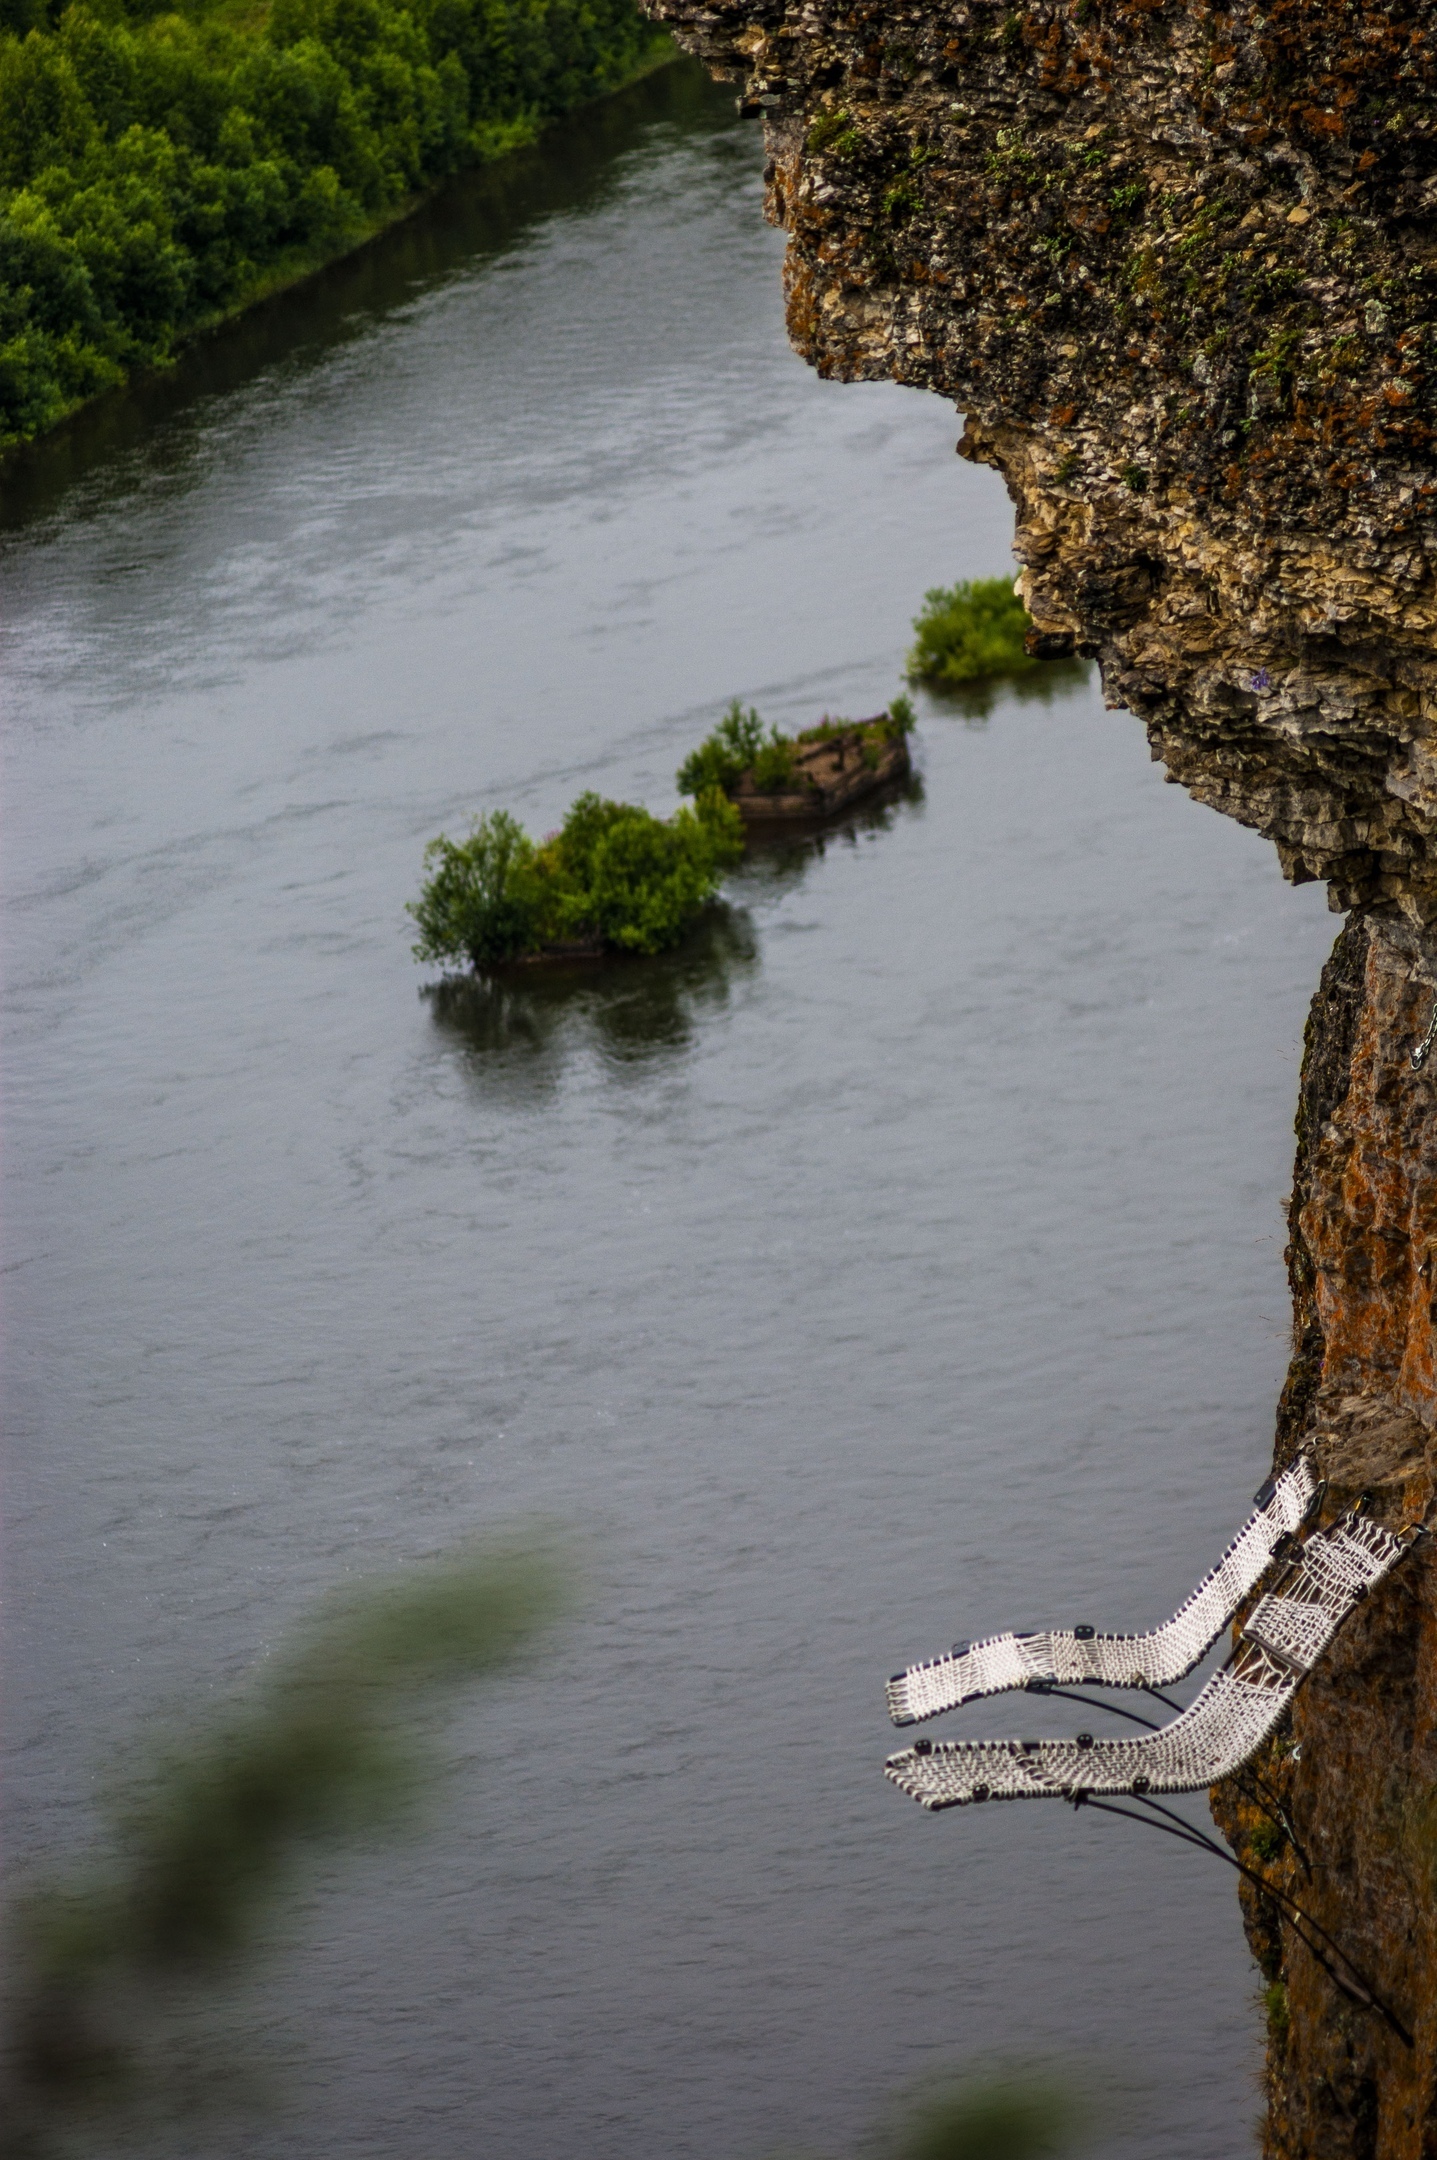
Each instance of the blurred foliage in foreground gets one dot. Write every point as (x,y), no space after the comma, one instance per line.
(320,1748)
(1018,2116)
(161,165)
(1018,2113)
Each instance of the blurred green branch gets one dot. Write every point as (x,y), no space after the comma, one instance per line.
(1017,2116)
(322,1747)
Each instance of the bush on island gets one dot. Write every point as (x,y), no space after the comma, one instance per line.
(722,758)
(739,747)
(613,876)
(163,162)
(970,630)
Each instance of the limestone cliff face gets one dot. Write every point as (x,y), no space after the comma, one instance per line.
(1177,263)
(1357,1773)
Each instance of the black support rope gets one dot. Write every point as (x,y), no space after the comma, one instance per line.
(1358,1989)
(1089,1702)
(1263,1798)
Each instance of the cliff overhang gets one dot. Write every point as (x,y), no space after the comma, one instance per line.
(1178,266)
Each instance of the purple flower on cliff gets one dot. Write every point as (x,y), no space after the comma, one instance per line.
(1261,680)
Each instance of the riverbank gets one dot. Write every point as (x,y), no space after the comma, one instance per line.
(160,178)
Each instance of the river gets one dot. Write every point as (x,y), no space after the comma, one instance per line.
(900,1260)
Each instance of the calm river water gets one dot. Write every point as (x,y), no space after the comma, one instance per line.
(901,1260)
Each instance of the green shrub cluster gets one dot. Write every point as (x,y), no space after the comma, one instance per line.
(970,630)
(740,745)
(612,874)
(722,758)
(158,168)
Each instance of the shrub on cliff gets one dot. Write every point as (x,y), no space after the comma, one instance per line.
(613,875)
(158,168)
(967,631)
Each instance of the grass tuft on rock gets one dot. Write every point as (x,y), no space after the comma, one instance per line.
(969,631)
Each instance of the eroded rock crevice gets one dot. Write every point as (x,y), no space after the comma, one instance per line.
(1177,265)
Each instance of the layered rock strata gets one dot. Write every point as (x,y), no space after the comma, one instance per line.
(1177,264)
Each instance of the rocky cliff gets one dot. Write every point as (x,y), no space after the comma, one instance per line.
(1358,1770)
(1177,264)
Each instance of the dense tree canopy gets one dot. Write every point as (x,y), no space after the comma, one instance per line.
(159,168)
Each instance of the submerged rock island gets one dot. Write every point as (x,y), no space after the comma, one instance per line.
(1177,264)
(832,767)
(776,779)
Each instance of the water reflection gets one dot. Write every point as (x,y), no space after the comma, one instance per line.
(975,701)
(777,861)
(519,1028)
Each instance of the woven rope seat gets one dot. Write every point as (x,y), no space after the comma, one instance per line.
(1167,1653)
(1277,1647)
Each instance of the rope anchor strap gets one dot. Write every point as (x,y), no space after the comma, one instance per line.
(1072,1656)
(1348,1978)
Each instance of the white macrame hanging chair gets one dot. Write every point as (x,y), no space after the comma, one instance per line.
(1064,1657)
(1278,1644)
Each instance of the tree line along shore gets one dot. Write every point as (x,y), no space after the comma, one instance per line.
(163,167)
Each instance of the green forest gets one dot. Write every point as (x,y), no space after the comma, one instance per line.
(161,168)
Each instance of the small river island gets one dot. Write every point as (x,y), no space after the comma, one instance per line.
(774,779)
(612,879)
